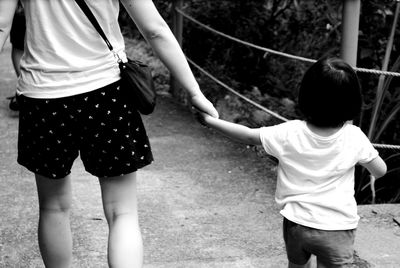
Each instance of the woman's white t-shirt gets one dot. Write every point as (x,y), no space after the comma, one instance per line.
(315,185)
(64,55)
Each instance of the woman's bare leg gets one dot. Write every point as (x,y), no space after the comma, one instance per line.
(125,246)
(54,232)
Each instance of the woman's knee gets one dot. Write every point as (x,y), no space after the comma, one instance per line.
(54,195)
(119,197)
(59,208)
(116,215)
(125,209)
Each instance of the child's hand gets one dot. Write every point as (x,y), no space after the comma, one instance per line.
(201,103)
(200,116)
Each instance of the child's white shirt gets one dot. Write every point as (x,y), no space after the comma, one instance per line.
(315,184)
(64,54)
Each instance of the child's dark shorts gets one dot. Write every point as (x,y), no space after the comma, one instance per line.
(332,248)
(102,126)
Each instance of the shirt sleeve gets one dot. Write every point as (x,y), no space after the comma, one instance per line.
(367,152)
(272,139)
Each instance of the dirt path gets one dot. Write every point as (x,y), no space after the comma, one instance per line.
(205,202)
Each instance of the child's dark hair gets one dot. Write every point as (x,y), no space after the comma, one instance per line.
(330,93)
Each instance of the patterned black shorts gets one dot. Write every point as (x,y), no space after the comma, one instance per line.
(102,126)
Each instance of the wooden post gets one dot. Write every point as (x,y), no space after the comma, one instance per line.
(350,27)
(177,29)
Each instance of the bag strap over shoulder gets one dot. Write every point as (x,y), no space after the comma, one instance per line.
(89,14)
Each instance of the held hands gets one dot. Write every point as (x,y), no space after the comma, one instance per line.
(201,116)
(206,114)
(204,106)
(203,109)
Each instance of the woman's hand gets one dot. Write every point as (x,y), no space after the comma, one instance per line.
(201,117)
(202,104)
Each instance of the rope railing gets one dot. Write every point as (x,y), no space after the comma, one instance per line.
(264,49)
(237,93)
(266,110)
(267,50)
(386,146)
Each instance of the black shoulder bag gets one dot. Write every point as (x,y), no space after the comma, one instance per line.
(135,76)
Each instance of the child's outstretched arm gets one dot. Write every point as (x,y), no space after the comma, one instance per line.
(377,167)
(234,131)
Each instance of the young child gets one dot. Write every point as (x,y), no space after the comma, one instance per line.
(317,156)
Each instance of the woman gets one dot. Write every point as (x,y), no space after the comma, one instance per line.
(70,101)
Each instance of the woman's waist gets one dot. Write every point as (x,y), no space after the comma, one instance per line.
(37,84)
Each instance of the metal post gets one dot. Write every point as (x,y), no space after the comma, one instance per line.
(177,29)
(178,20)
(350,27)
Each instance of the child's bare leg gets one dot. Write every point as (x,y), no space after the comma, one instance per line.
(307,265)
(125,246)
(323,265)
(54,232)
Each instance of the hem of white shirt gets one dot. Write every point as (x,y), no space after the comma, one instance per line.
(324,227)
(67,92)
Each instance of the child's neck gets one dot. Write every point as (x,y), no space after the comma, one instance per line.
(323,131)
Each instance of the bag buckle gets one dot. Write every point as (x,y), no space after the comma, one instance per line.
(117,57)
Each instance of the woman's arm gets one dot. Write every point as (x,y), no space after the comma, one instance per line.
(7,10)
(157,32)
(234,131)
